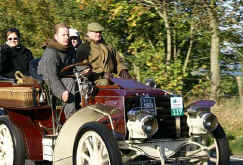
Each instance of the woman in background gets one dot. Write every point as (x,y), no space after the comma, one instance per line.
(14,56)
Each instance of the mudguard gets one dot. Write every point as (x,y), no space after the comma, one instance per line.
(201,105)
(63,150)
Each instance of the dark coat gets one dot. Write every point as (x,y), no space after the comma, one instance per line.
(14,59)
(55,58)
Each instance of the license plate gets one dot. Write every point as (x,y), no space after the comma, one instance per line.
(148,103)
(176,106)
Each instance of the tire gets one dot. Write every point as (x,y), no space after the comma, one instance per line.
(12,150)
(217,147)
(222,146)
(95,145)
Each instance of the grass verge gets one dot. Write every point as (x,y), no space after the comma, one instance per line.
(230,116)
(237,146)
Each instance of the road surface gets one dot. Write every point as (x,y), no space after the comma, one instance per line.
(233,161)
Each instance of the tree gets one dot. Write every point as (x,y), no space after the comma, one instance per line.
(214,52)
(35,19)
(164,40)
(239,80)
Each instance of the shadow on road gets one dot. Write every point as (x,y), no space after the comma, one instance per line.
(232,162)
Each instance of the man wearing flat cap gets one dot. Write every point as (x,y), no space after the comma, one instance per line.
(103,59)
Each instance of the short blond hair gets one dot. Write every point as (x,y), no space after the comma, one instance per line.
(58,26)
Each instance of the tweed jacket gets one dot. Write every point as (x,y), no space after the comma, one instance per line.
(101,57)
(54,58)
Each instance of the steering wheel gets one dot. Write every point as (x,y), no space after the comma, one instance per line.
(68,70)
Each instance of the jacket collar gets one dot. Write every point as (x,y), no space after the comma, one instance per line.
(15,47)
(51,43)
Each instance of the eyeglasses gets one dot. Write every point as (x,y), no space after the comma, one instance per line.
(14,39)
(100,32)
(73,38)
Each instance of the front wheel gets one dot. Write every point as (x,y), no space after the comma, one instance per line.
(213,149)
(95,145)
(12,151)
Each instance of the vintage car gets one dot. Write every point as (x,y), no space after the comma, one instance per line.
(125,122)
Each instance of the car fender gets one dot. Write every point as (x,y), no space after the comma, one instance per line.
(200,106)
(63,149)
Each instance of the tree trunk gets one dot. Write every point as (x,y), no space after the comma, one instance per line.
(164,16)
(161,9)
(137,72)
(136,69)
(189,50)
(174,45)
(168,35)
(214,56)
(240,89)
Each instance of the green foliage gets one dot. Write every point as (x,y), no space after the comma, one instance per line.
(138,31)
(35,19)
(237,145)
(228,86)
(199,88)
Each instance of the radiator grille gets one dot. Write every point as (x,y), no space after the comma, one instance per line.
(167,123)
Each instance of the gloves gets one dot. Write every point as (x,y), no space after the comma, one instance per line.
(124,74)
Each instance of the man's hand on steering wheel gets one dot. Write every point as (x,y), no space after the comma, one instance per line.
(68,71)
